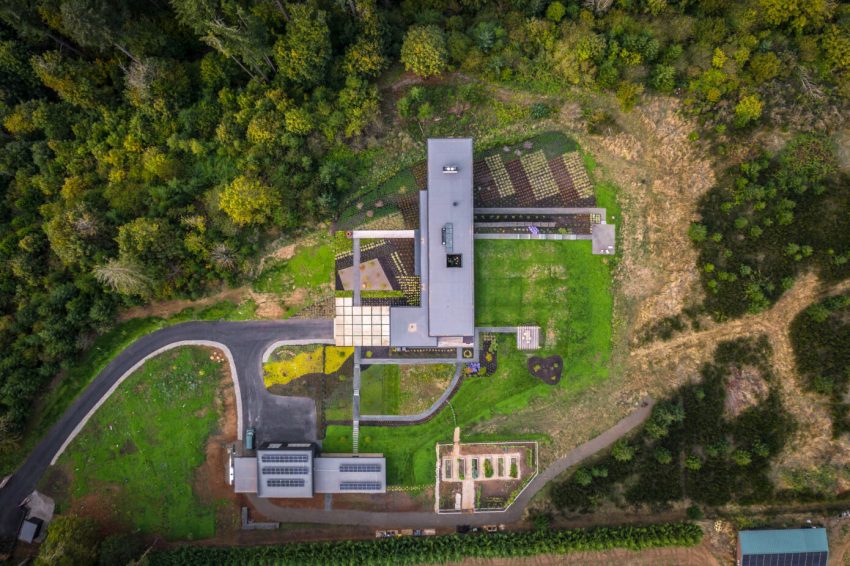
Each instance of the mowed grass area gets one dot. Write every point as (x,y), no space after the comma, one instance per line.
(558,285)
(83,370)
(402,390)
(309,269)
(138,454)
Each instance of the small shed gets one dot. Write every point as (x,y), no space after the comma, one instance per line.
(783,547)
(30,530)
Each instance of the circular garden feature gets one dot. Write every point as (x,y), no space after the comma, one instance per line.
(548,370)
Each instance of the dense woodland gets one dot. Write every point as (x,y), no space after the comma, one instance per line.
(773,219)
(821,339)
(150,148)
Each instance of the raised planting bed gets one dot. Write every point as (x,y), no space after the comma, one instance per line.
(548,370)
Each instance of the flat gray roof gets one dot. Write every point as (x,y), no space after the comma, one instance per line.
(350,475)
(603,238)
(451,299)
(245,475)
(285,473)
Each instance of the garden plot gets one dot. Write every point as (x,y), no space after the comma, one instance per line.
(387,272)
(539,175)
(485,476)
(532,181)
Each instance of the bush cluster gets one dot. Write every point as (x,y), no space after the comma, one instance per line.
(439,549)
(724,458)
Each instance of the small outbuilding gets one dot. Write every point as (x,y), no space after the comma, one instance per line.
(30,530)
(783,547)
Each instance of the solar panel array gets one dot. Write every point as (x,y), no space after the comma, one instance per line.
(284,458)
(786,559)
(286,470)
(281,482)
(360,486)
(359,467)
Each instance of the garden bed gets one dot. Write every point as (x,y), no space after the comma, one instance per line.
(548,370)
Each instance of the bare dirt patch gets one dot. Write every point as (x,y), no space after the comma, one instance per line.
(746,388)
(164,309)
(398,501)
(210,483)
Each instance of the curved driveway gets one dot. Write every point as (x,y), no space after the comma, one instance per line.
(288,418)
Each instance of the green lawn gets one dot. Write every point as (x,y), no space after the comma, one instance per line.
(308,269)
(141,449)
(402,390)
(558,285)
(83,370)
(379,390)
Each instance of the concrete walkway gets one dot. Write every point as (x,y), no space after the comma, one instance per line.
(548,211)
(425,519)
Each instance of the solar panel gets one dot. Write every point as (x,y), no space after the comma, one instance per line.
(785,559)
(280,482)
(285,471)
(284,458)
(360,486)
(359,467)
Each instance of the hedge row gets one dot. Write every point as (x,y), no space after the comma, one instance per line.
(439,549)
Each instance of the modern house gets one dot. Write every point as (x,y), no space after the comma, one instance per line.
(445,316)
(290,470)
(443,265)
(783,547)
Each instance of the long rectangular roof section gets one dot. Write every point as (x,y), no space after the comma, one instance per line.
(783,541)
(451,300)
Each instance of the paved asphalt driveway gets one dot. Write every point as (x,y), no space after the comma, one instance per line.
(276,418)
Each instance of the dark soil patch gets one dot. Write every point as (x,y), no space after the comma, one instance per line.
(488,358)
(548,370)
(129,448)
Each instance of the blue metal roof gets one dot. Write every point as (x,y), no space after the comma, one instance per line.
(783,541)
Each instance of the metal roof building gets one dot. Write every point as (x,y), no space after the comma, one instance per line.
(350,475)
(285,473)
(783,547)
(446,315)
(451,301)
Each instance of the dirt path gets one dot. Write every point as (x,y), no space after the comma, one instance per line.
(268,304)
(812,445)
(698,555)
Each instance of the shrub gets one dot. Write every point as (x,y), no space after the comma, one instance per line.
(695,513)
(488,468)
(424,51)
(622,452)
(555,12)
(514,470)
(539,111)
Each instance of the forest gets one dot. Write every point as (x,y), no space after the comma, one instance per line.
(150,149)
(820,336)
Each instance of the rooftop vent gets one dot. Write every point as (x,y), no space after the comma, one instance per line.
(448,237)
(450,169)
